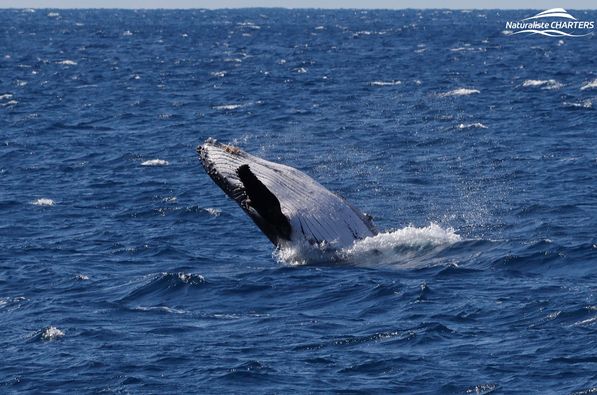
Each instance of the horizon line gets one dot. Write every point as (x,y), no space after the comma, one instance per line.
(283,8)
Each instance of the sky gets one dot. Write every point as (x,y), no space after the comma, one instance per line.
(368,4)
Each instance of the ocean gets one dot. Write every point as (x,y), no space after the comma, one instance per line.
(125,269)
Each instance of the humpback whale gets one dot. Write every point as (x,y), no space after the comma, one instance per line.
(286,204)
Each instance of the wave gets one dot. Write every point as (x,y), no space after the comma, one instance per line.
(155,162)
(10,103)
(67,62)
(460,92)
(476,125)
(228,107)
(397,246)
(50,333)
(467,48)
(163,284)
(589,85)
(7,303)
(43,202)
(385,83)
(231,107)
(585,104)
(544,84)
(214,212)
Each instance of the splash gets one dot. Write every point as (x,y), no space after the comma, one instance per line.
(398,246)
(303,253)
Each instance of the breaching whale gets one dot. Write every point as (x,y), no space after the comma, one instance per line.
(287,205)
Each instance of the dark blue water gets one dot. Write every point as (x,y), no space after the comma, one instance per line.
(124,268)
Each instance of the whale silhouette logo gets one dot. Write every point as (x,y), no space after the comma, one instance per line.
(552,13)
(555,22)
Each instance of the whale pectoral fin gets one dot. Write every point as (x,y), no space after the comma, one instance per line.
(264,202)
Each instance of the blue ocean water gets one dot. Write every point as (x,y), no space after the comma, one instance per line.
(125,269)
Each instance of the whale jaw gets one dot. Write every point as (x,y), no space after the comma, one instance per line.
(286,204)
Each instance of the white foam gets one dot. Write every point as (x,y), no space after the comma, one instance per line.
(228,106)
(67,62)
(51,333)
(385,83)
(249,25)
(544,84)
(53,14)
(387,247)
(127,33)
(391,246)
(583,104)
(169,199)
(187,277)
(362,33)
(43,202)
(219,74)
(82,277)
(476,125)
(302,253)
(5,96)
(164,309)
(301,70)
(467,47)
(460,92)
(214,212)
(589,85)
(155,162)
(6,301)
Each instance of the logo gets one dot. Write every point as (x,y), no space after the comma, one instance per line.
(555,22)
